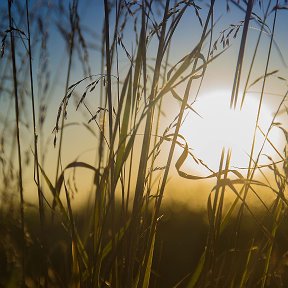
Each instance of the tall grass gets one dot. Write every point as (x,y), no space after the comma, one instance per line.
(116,244)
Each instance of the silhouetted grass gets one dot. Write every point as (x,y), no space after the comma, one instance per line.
(124,237)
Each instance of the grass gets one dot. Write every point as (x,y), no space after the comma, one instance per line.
(121,236)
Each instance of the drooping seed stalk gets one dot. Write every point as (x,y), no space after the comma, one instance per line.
(71,49)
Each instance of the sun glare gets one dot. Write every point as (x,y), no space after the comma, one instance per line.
(219,126)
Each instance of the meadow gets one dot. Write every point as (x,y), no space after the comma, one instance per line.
(143,143)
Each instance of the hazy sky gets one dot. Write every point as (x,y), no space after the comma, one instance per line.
(219,75)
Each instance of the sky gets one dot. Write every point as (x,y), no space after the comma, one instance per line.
(78,140)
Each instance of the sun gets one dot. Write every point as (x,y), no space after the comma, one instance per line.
(221,127)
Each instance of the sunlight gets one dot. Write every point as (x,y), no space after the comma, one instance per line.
(221,126)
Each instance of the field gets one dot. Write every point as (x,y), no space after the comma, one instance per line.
(143,143)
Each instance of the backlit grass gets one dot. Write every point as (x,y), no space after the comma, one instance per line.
(102,126)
